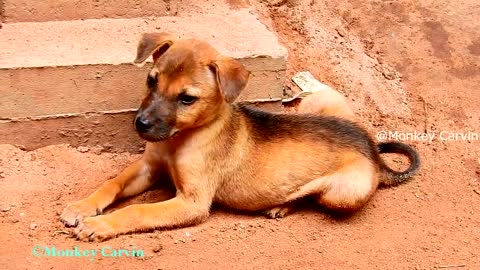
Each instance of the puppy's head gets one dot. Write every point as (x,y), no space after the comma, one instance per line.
(187,85)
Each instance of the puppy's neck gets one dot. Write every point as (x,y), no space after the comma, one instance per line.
(206,133)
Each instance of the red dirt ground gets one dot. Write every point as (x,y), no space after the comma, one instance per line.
(421,55)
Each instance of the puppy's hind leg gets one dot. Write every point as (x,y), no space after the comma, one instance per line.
(346,190)
(349,189)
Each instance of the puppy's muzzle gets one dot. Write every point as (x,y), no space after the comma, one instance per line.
(142,125)
(153,129)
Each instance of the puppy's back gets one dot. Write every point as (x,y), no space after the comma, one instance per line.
(334,132)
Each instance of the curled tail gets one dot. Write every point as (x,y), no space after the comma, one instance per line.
(389,176)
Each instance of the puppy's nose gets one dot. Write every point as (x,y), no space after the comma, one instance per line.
(142,125)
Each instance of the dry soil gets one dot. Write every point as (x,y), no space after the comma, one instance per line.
(403,65)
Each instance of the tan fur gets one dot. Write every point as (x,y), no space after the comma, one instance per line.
(326,102)
(242,176)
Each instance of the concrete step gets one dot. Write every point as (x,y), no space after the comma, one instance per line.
(63,73)
(41,11)
(65,10)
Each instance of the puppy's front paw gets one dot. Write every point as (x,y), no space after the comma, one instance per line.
(277,212)
(75,212)
(95,229)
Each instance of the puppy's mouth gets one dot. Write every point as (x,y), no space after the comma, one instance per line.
(152,137)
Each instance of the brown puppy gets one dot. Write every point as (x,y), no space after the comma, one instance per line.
(216,151)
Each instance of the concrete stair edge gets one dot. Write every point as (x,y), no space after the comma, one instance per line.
(114,41)
(83,89)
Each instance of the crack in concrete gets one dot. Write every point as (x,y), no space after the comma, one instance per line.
(64,115)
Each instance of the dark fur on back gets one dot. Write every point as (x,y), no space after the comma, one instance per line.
(342,133)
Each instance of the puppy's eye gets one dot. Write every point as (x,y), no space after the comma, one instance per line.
(151,81)
(187,99)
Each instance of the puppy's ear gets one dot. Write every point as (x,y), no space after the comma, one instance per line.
(232,77)
(154,44)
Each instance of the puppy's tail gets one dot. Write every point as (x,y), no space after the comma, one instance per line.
(390,177)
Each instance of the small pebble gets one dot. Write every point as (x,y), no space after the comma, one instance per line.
(83,149)
(97,150)
(157,249)
(33,226)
